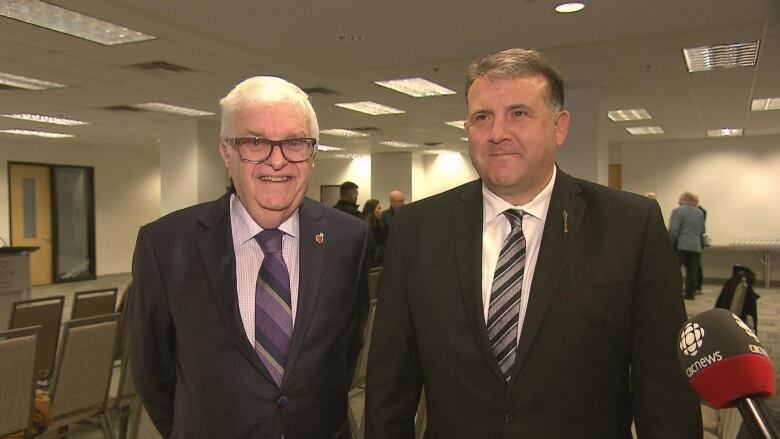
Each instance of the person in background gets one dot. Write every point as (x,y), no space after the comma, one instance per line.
(372,213)
(348,195)
(246,313)
(686,226)
(396,201)
(704,243)
(522,303)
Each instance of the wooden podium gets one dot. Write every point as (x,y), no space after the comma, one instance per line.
(14,279)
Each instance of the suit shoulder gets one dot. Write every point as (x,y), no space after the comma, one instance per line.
(333,216)
(613,198)
(447,199)
(186,218)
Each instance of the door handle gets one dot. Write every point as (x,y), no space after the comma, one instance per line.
(47,238)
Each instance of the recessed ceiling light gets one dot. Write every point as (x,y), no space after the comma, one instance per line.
(27,83)
(566,8)
(351,156)
(399,144)
(69,22)
(369,107)
(36,133)
(721,56)
(725,132)
(340,132)
(173,109)
(457,124)
(630,114)
(765,104)
(465,139)
(45,119)
(417,87)
(638,131)
(328,148)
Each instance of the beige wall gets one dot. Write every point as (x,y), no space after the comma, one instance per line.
(127,192)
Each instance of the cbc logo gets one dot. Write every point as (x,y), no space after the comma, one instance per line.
(745,327)
(691,339)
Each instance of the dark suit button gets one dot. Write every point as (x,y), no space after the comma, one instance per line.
(508,418)
(282,401)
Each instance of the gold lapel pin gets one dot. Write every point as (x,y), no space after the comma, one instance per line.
(565,215)
(319,238)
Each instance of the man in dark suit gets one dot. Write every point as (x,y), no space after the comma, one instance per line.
(528,303)
(396,199)
(246,311)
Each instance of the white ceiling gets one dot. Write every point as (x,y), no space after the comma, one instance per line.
(631,49)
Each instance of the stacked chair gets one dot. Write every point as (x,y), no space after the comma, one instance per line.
(18,349)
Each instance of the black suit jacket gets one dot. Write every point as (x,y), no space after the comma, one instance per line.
(598,341)
(195,370)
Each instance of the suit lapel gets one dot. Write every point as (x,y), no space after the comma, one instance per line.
(310,258)
(553,257)
(467,231)
(215,243)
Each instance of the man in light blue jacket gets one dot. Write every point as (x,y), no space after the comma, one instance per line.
(685,229)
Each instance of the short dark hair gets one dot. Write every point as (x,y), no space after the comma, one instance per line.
(346,187)
(517,62)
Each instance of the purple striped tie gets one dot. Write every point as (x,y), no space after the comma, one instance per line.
(273,310)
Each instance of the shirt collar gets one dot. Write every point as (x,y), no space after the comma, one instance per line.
(247,228)
(493,205)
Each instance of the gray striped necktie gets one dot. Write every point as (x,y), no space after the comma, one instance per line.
(504,308)
(273,310)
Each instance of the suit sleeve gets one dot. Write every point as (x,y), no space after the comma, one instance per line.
(152,346)
(360,314)
(394,378)
(664,404)
(674,225)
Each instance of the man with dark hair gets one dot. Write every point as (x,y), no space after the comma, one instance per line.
(348,195)
(528,303)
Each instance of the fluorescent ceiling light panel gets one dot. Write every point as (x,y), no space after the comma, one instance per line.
(36,133)
(765,104)
(417,87)
(399,144)
(328,148)
(173,109)
(630,114)
(369,107)
(725,132)
(69,22)
(350,156)
(340,132)
(567,8)
(45,119)
(638,131)
(465,139)
(27,83)
(440,151)
(457,124)
(722,56)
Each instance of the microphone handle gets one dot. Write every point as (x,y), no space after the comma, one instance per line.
(756,416)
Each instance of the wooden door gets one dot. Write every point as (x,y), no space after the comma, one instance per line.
(31,217)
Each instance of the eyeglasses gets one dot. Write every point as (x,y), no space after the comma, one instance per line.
(257,150)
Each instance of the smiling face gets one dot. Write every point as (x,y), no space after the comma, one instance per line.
(270,191)
(513,135)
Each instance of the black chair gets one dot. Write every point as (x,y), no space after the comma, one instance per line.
(93,303)
(46,313)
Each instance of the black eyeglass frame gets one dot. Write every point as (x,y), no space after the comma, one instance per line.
(236,142)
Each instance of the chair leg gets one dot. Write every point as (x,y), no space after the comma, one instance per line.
(106,425)
(124,421)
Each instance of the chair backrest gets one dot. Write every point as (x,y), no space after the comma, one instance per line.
(93,303)
(17,379)
(738,299)
(46,313)
(374,277)
(83,374)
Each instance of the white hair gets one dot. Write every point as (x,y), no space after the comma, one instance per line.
(266,90)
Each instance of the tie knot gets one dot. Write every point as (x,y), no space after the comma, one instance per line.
(515,217)
(270,241)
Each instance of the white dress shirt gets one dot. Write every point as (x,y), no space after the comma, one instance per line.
(249,256)
(495,228)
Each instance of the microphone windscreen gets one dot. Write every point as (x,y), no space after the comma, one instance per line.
(724,360)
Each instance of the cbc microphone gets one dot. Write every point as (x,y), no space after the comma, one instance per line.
(727,366)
